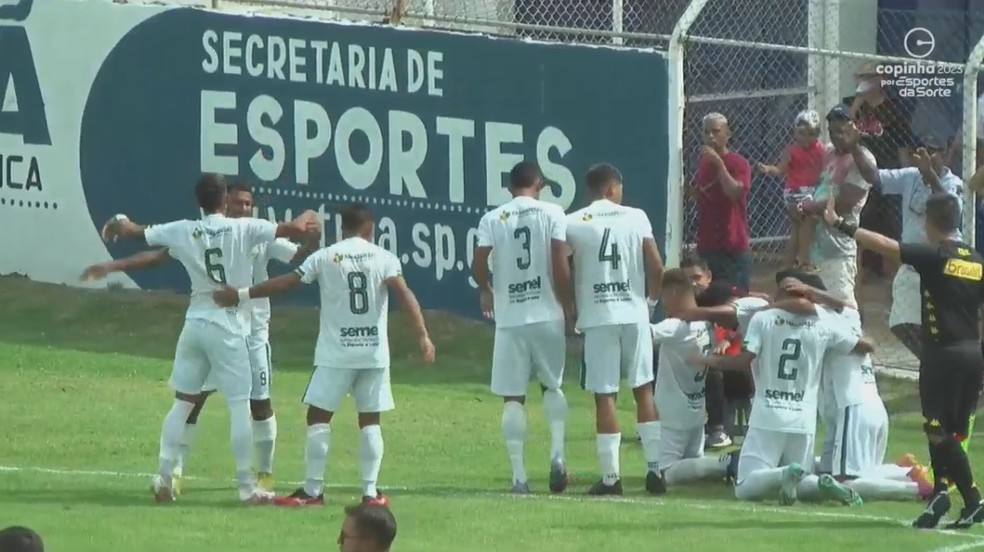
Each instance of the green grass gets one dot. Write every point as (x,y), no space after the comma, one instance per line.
(83,383)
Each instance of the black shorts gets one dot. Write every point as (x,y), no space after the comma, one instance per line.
(950,382)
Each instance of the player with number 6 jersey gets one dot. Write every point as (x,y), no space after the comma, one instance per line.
(526,240)
(352,356)
(615,257)
(215,251)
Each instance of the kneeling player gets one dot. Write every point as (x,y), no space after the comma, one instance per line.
(785,352)
(679,391)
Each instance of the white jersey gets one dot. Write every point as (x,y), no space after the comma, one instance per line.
(609,272)
(679,385)
(849,378)
(520,234)
(354,303)
(745,309)
(281,250)
(214,251)
(789,352)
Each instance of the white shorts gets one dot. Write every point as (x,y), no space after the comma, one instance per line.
(764,449)
(260,366)
(369,386)
(615,352)
(906,303)
(207,351)
(861,440)
(828,414)
(520,349)
(678,444)
(839,276)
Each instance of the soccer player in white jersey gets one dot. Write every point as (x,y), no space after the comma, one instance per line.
(352,356)
(240,204)
(215,251)
(615,257)
(680,391)
(785,352)
(527,241)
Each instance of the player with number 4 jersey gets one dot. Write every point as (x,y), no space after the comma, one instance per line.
(615,257)
(352,356)
(526,240)
(215,251)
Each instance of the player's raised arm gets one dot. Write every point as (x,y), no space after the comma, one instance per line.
(408,301)
(305,226)
(120,227)
(139,261)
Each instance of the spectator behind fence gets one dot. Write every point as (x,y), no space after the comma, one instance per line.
(913,185)
(833,254)
(721,187)
(884,125)
(20,539)
(801,164)
(366,528)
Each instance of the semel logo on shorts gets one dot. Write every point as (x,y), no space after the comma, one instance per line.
(536,284)
(360,331)
(784,395)
(612,287)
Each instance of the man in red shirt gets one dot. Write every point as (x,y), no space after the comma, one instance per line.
(720,188)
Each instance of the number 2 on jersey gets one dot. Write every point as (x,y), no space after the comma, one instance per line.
(213,265)
(608,252)
(791,349)
(358,286)
(523,234)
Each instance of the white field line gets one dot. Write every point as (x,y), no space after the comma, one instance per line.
(977,540)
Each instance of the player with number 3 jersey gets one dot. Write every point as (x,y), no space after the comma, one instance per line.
(615,256)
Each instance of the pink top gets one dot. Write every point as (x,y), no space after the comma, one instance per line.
(805,165)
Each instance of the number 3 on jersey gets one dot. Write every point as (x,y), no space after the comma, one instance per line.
(608,252)
(791,349)
(358,286)
(523,234)
(213,265)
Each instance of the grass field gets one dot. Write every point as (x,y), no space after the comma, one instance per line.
(83,379)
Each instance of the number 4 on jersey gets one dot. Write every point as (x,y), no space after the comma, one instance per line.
(608,252)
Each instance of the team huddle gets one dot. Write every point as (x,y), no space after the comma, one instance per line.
(543,276)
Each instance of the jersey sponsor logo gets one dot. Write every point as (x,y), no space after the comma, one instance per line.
(536,284)
(588,217)
(780,395)
(966,270)
(795,323)
(698,396)
(339,257)
(611,287)
(197,233)
(359,331)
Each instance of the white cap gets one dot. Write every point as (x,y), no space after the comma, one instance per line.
(809,118)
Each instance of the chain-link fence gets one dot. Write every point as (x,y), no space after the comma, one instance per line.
(759,63)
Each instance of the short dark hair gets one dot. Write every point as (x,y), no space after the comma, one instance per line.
(210,190)
(943,212)
(717,293)
(601,175)
(374,522)
(676,278)
(20,539)
(525,174)
(241,186)
(693,260)
(354,216)
(809,278)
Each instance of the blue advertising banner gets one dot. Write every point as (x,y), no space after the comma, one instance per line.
(421,126)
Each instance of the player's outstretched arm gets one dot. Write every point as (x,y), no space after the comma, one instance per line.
(722,315)
(121,227)
(142,260)
(408,301)
(230,297)
(305,226)
(814,295)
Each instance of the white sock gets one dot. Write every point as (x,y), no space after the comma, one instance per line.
(608,444)
(884,489)
(809,488)
(316,458)
(689,470)
(187,439)
(171,431)
(265,443)
(241,426)
(514,432)
(371,458)
(759,484)
(555,409)
(651,433)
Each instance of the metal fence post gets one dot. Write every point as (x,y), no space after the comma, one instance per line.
(969,132)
